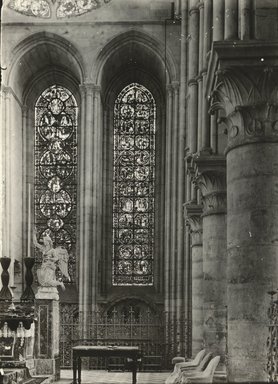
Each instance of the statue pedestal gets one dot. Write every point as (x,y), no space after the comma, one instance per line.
(47,360)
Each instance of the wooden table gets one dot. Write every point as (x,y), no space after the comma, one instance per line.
(103,351)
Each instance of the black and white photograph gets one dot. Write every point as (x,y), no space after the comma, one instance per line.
(139,191)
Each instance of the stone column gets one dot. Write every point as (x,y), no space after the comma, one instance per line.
(231,20)
(245,19)
(206,48)
(90,197)
(194,222)
(181,193)
(217,34)
(167,230)
(210,177)
(252,208)
(192,74)
(174,209)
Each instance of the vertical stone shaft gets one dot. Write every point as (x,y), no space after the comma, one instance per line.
(173,232)
(181,174)
(200,77)
(245,19)
(252,207)
(97,194)
(80,220)
(211,179)
(218,20)
(231,20)
(252,255)
(192,73)
(206,48)
(217,35)
(167,239)
(86,202)
(194,222)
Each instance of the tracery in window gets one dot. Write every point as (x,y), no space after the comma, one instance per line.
(133,186)
(56,169)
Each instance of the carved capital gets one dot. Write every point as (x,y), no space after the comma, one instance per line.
(210,178)
(245,86)
(248,124)
(193,219)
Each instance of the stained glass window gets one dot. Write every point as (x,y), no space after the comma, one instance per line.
(133,186)
(56,169)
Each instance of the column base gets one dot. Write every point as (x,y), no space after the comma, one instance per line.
(48,367)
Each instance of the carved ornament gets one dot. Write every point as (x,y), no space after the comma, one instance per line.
(246,89)
(193,219)
(210,178)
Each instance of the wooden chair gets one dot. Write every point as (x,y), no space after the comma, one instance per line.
(203,377)
(187,364)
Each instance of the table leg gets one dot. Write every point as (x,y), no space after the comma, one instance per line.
(134,370)
(74,366)
(79,369)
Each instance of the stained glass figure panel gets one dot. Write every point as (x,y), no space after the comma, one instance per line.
(56,169)
(133,186)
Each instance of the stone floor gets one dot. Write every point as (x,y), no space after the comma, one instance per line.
(104,377)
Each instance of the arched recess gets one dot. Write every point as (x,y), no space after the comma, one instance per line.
(141,50)
(41,60)
(133,57)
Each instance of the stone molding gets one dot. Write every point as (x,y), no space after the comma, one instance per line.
(246,93)
(208,173)
(193,219)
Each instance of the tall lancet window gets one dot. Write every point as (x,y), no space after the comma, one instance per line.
(133,186)
(56,169)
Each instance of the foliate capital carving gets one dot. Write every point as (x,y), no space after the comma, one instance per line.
(210,178)
(193,219)
(249,98)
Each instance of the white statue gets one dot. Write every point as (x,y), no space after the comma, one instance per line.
(53,258)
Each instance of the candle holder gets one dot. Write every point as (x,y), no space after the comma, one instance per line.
(28,294)
(5,293)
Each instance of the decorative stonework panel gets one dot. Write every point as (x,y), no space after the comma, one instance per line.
(37,8)
(60,9)
(69,8)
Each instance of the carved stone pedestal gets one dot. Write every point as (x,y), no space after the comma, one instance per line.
(47,361)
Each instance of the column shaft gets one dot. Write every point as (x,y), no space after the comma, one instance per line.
(218,20)
(199,114)
(214,268)
(245,19)
(168,198)
(213,133)
(193,115)
(231,20)
(173,232)
(211,179)
(193,57)
(181,178)
(252,255)
(194,222)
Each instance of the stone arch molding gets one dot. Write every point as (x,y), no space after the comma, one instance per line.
(249,98)
(143,40)
(74,61)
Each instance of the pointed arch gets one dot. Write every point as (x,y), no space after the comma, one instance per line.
(162,59)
